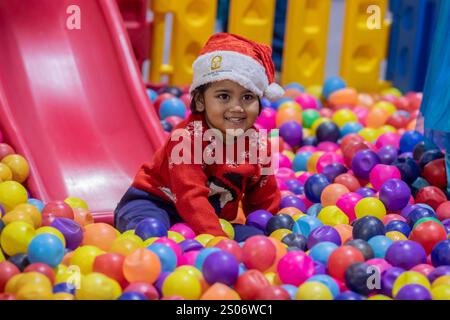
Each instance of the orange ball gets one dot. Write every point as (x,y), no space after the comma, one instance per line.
(377,118)
(82,216)
(290,211)
(219,291)
(100,235)
(331,194)
(345,231)
(345,96)
(32,211)
(349,181)
(141,266)
(288,114)
(281,250)
(292,93)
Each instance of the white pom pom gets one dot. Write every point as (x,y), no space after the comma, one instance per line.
(274,91)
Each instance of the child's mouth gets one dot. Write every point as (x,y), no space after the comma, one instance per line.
(235,119)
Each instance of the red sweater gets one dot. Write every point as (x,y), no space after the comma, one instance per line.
(202,193)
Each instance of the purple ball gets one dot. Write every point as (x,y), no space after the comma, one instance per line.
(258,219)
(388,278)
(439,272)
(190,245)
(323,233)
(413,292)
(319,268)
(387,154)
(294,186)
(407,210)
(366,192)
(292,133)
(292,201)
(72,231)
(363,162)
(405,254)
(331,171)
(395,194)
(221,267)
(160,281)
(446,224)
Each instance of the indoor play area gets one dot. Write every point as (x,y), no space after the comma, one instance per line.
(90,90)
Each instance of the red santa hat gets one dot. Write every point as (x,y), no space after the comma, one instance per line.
(232,57)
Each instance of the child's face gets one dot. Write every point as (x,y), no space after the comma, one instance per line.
(228,105)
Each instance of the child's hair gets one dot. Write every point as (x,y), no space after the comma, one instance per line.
(198,93)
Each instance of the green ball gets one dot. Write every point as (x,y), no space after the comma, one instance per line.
(309,116)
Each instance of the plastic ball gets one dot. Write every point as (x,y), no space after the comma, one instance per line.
(84,258)
(142,265)
(341,258)
(18,165)
(258,219)
(7,271)
(20,260)
(151,227)
(347,204)
(183,284)
(332,216)
(348,181)
(172,107)
(71,231)
(221,267)
(380,244)
(370,206)
(295,241)
(280,221)
(331,193)
(399,226)
(428,234)
(405,254)
(291,132)
(16,237)
(367,227)
(46,248)
(322,251)
(419,212)
(12,194)
(363,162)
(409,140)
(305,225)
(328,131)
(331,85)
(314,186)
(364,247)
(323,233)
(291,112)
(250,283)
(96,286)
(100,235)
(357,278)
(258,253)
(395,194)
(295,268)
(56,209)
(440,255)
(408,278)
(432,196)
(382,173)
(365,192)
(292,201)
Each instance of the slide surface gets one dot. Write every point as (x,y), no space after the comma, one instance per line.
(72,101)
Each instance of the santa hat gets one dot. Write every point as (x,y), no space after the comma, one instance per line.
(232,57)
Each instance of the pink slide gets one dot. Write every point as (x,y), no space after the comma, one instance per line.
(72,101)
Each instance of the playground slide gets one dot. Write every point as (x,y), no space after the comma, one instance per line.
(72,101)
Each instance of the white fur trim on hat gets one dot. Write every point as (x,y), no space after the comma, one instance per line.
(238,67)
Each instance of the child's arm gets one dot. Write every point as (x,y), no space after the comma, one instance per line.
(264,194)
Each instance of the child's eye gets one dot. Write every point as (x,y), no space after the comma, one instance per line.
(223,96)
(248,97)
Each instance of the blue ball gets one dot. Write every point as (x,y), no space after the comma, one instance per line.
(349,295)
(327,281)
(368,227)
(418,213)
(305,225)
(64,287)
(291,132)
(46,248)
(380,244)
(132,296)
(322,251)
(151,227)
(294,186)
(37,203)
(201,257)
(166,126)
(166,256)
(314,186)
(440,255)
(350,127)
(314,210)
(265,103)
(172,107)
(409,169)
(331,85)
(276,104)
(295,85)
(152,95)
(400,226)
(300,161)
(409,140)
(292,290)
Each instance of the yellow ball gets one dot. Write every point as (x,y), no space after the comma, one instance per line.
(409,277)
(332,215)
(75,202)
(62,274)
(35,291)
(213,242)
(443,280)
(312,290)
(32,278)
(16,236)
(370,206)
(315,91)
(124,246)
(392,91)
(289,154)
(132,237)
(290,105)
(54,231)
(396,236)
(379,297)
(18,165)
(175,236)
(343,116)
(84,258)
(97,286)
(11,285)
(15,215)
(204,238)
(279,234)
(369,134)
(149,241)
(183,284)
(386,129)
(63,296)
(32,211)
(312,161)
(271,277)
(12,194)
(441,292)
(132,231)
(389,107)
(227,228)
(5,172)
(191,270)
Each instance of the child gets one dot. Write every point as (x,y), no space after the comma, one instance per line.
(231,74)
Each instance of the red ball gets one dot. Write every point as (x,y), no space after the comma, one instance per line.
(397,121)
(7,296)
(56,209)
(341,259)
(352,137)
(428,234)
(7,271)
(41,268)
(432,196)
(434,172)
(5,150)
(352,148)
(348,180)
(111,265)
(401,103)
(273,293)
(443,211)
(232,247)
(147,289)
(250,283)
(258,253)
(160,99)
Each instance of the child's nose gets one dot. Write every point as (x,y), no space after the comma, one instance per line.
(237,108)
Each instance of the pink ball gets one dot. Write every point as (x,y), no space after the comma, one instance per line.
(326,113)
(146,288)
(307,148)
(266,118)
(295,268)
(188,258)
(282,160)
(304,176)
(186,98)
(172,245)
(347,204)
(285,174)
(327,146)
(382,173)
(232,247)
(392,217)
(328,158)
(361,113)
(183,229)
(423,268)
(381,264)
(388,139)
(307,101)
